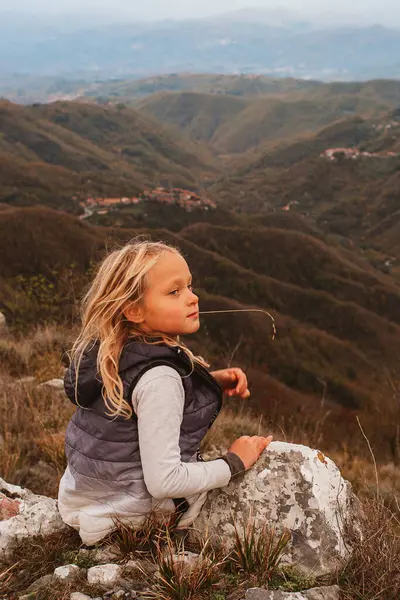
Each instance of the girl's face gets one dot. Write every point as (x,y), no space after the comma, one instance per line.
(169,304)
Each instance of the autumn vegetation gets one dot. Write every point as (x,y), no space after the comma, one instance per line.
(326,269)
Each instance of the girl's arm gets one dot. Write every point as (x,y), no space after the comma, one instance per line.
(158,400)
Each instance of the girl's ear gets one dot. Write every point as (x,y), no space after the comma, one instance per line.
(134,313)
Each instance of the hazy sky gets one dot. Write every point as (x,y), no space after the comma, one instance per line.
(379,10)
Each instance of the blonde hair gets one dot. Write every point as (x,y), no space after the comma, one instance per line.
(119,282)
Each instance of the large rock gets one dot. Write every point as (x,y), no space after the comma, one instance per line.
(292,487)
(31,515)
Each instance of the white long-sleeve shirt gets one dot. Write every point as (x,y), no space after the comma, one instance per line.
(158,401)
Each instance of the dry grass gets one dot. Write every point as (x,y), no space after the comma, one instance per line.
(41,353)
(143,541)
(32,430)
(61,590)
(373,572)
(178,580)
(34,557)
(259,551)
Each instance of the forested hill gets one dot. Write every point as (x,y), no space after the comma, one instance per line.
(51,153)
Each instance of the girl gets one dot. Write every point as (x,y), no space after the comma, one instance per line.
(144,400)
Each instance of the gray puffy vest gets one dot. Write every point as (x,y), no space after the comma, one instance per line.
(103,451)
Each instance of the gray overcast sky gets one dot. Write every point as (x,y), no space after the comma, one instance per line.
(379,10)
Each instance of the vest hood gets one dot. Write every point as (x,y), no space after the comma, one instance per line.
(85,387)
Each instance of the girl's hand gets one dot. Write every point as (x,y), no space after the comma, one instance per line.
(233,381)
(249,448)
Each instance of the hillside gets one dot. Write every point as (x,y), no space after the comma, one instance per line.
(353,95)
(303,261)
(267,121)
(54,152)
(348,197)
(337,319)
(51,238)
(199,115)
(236,125)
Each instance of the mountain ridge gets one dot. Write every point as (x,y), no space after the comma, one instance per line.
(205,45)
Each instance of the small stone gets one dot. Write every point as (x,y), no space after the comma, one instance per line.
(79,596)
(118,595)
(189,559)
(104,556)
(57,384)
(262,594)
(105,574)
(331,592)
(3,324)
(132,564)
(41,582)
(8,507)
(67,572)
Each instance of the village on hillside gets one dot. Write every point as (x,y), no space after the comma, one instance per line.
(354,153)
(174,196)
(386,129)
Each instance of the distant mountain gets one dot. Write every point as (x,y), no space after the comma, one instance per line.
(275,45)
(275,17)
(132,90)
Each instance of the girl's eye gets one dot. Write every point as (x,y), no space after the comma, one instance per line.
(174,292)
